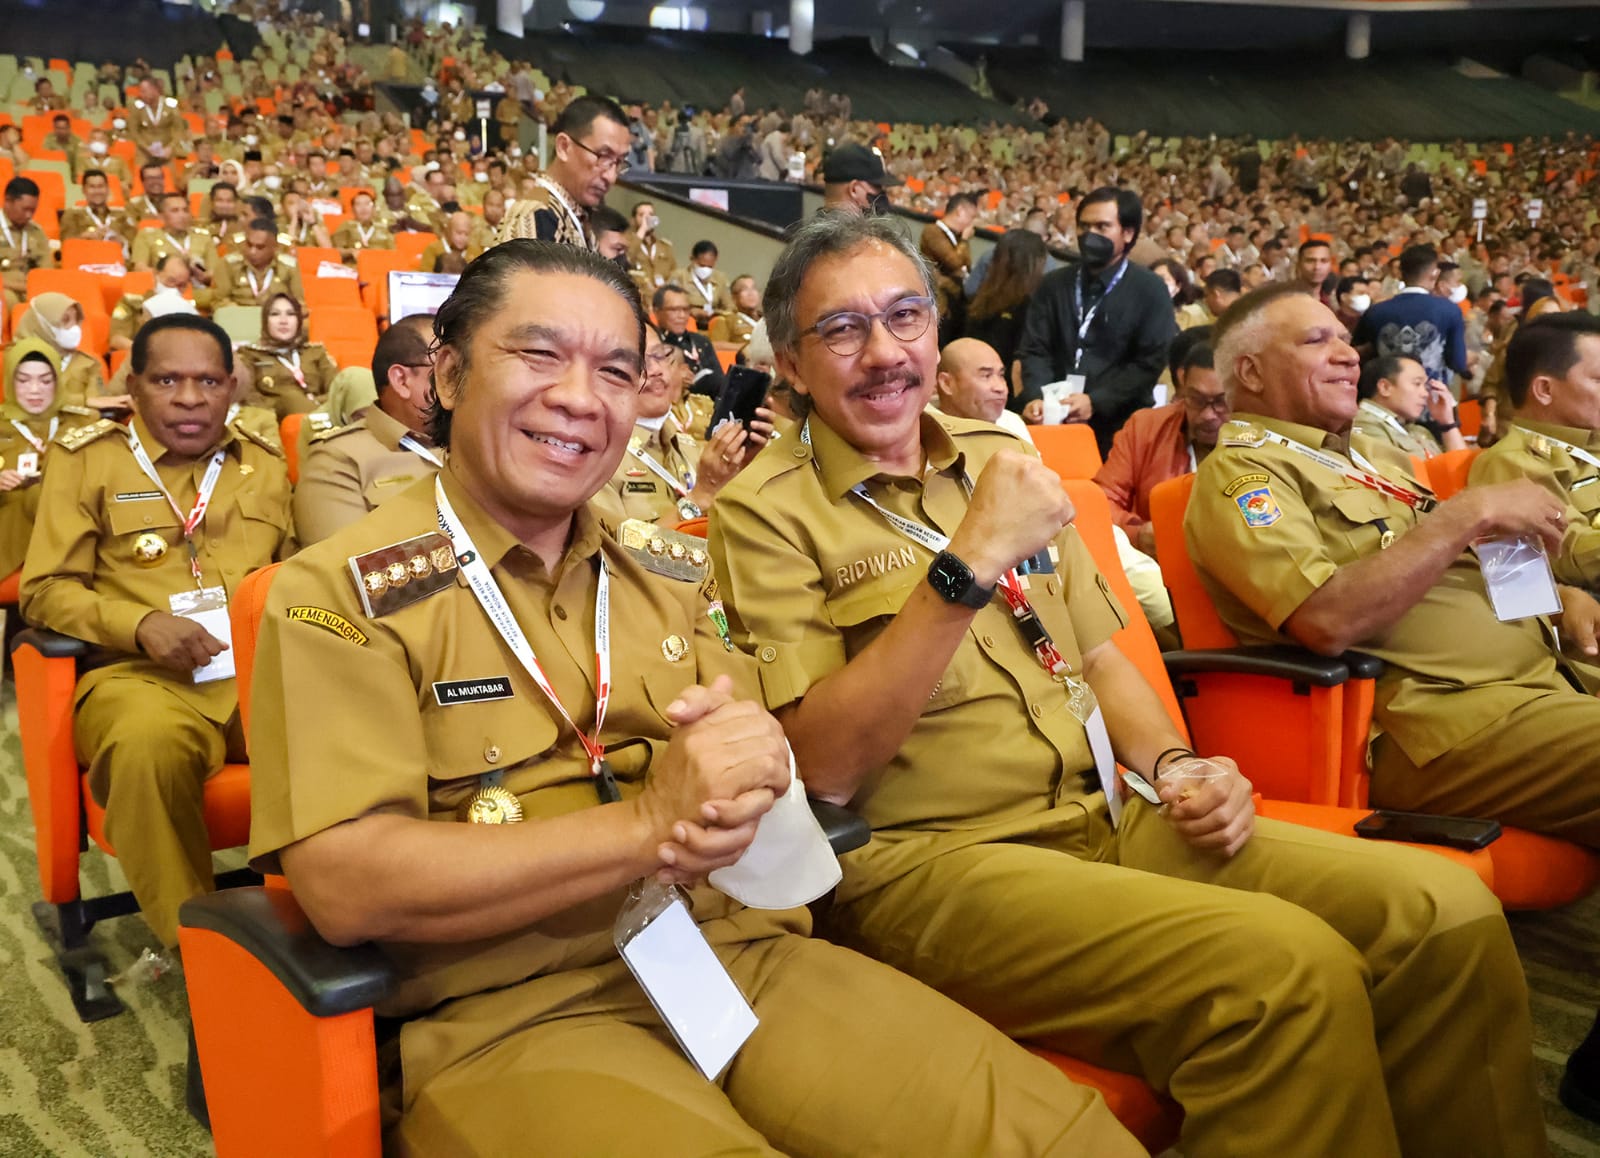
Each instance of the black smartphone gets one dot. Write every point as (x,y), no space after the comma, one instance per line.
(744,390)
(1463,832)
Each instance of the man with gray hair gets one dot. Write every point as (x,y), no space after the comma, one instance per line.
(1232,962)
(1304,533)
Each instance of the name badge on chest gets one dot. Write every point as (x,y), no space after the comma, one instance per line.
(683,978)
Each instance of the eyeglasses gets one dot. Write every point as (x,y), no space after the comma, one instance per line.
(1201,405)
(846,333)
(607,160)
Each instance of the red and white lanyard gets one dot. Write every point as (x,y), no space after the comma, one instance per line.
(414,445)
(292,364)
(258,290)
(183,246)
(208,483)
(505,622)
(22,247)
(1363,472)
(38,444)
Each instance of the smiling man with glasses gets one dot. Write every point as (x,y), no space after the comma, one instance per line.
(591,153)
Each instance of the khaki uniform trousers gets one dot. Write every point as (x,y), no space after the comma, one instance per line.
(1535,769)
(149,755)
(851,1059)
(1334,997)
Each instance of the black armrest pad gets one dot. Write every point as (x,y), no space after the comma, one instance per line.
(1281,661)
(50,644)
(845,830)
(270,926)
(1362,666)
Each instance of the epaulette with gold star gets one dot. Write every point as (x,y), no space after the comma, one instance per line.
(1242,434)
(400,574)
(256,437)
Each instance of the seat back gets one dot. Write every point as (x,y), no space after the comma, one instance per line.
(244,616)
(1069,449)
(289,433)
(77,252)
(1447,473)
(81,287)
(1198,621)
(241,323)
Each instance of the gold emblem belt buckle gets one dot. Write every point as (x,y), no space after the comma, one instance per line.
(492,803)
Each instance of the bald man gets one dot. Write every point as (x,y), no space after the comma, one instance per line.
(451,252)
(972,384)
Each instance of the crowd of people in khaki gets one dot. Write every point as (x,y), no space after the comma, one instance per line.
(545,589)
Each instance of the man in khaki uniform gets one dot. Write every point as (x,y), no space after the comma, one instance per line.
(94,220)
(349,470)
(1476,717)
(360,231)
(23,245)
(95,153)
(736,327)
(253,272)
(510,945)
(453,249)
(707,287)
(108,561)
(146,206)
(590,153)
(223,220)
(1395,392)
(177,235)
(156,126)
(1552,366)
(172,277)
(1191,947)
(947,247)
(651,260)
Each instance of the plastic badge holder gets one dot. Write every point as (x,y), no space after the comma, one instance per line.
(789,863)
(1517,574)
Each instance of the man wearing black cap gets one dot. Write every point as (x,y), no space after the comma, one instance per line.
(854,180)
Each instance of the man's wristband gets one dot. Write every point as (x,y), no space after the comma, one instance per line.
(1448,429)
(1155,766)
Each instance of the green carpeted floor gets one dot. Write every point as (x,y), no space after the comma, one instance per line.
(114,1089)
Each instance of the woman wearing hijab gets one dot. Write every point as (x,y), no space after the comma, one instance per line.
(291,374)
(58,320)
(33,415)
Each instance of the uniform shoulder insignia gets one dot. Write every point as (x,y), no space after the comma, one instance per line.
(258,438)
(172,103)
(137,103)
(1539,446)
(81,411)
(400,574)
(234,258)
(664,552)
(336,432)
(1243,434)
(82,436)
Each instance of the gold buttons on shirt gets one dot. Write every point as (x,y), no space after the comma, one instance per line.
(988,641)
(768,654)
(491,754)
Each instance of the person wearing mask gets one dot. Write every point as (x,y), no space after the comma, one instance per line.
(855,180)
(95,153)
(709,295)
(1097,330)
(58,319)
(170,294)
(1351,299)
(35,412)
(291,375)
(589,155)
(1395,393)
(352,468)
(1000,308)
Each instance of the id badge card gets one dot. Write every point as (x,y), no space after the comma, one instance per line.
(28,464)
(1105,763)
(1518,577)
(687,984)
(209,608)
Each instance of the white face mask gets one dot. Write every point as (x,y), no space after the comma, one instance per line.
(702,272)
(68,337)
(118,123)
(1458,294)
(98,148)
(273,181)
(252,140)
(480,176)
(1360,302)
(460,135)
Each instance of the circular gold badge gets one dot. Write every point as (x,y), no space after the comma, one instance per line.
(375,583)
(493,804)
(1385,540)
(674,648)
(397,575)
(149,549)
(419,566)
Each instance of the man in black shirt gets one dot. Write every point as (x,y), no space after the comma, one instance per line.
(1101,324)
(671,305)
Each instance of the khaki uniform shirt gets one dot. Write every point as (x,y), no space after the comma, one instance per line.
(1527,451)
(1267,528)
(82,578)
(735,327)
(162,123)
(349,236)
(19,507)
(692,415)
(350,470)
(25,249)
(94,224)
(398,750)
(812,574)
(108,163)
(137,210)
(232,285)
(1409,438)
(229,234)
(709,297)
(153,246)
(128,315)
(276,388)
(644,493)
(82,377)
(429,261)
(651,266)
(950,261)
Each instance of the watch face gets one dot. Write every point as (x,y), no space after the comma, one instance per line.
(949,576)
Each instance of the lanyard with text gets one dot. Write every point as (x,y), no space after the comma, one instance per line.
(411,443)
(1576,452)
(38,444)
(680,487)
(1086,318)
(1079,698)
(498,610)
(208,483)
(22,249)
(292,364)
(255,289)
(1363,472)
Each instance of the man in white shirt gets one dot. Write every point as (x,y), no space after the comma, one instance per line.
(972,384)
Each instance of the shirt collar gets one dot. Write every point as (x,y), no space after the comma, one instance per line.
(493,542)
(1576,435)
(1412,289)
(842,466)
(1312,436)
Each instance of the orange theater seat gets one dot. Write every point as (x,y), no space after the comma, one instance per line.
(83,288)
(333,293)
(373,267)
(411,246)
(1068,449)
(289,435)
(311,257)
(1447,473)
(78,252)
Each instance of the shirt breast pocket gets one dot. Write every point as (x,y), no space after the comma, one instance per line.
(131,520)
(1365,517)
(477,724)
(1585,495)
(861,613)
